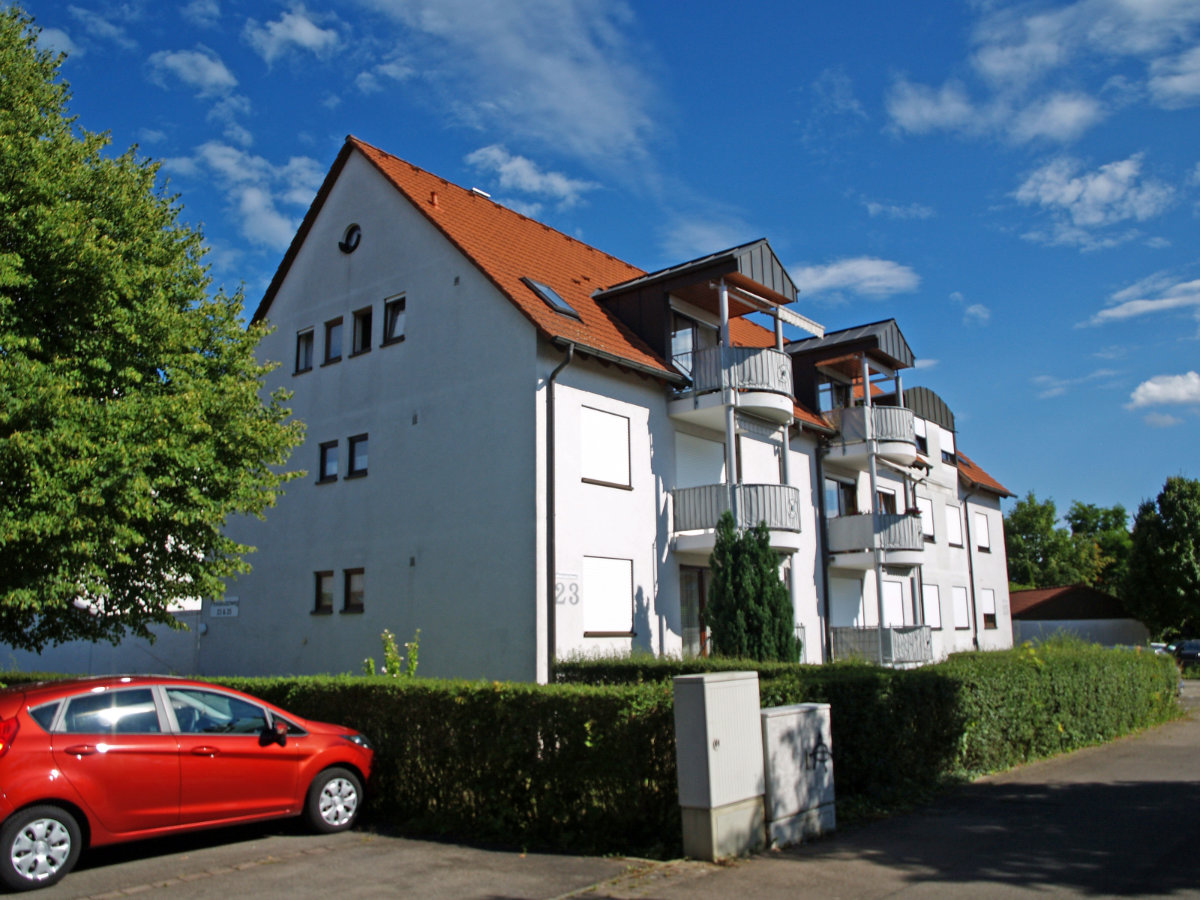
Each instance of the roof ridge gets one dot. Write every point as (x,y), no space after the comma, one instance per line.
(361,144)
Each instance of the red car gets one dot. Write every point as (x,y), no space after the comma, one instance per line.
(95,761)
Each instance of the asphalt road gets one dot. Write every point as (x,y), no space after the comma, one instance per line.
(1120,820)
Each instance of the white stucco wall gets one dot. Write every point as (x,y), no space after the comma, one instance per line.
(444,523)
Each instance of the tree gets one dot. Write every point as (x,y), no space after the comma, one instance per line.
(131,420)
(1162,587)
(1040,554)
(749,611)
(1107,528)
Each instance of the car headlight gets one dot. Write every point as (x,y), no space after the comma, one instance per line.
(357,739)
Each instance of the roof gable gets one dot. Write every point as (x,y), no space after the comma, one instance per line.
(509,249)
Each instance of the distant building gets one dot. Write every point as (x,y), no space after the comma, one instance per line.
(521,446)
(1078,610)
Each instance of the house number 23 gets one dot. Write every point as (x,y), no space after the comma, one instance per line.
(566,592)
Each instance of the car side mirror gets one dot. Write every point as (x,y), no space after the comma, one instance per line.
(275,733)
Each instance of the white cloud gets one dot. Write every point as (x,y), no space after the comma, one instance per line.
(57,41)
(919,109)
(255,189)
(896,211)
(516,173)
(922,363)
(1161,420)
(371,81)
(295,29)
(97,26)
(200,69)
(1080,203)
(1131,302)
(1060,117)
(561,72)
(865,276)
(1167,389)
(976,314)
(1052,386)
(691,235)
(205,13)
(1175,81)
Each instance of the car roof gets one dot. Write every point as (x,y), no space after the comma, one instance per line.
(48,690)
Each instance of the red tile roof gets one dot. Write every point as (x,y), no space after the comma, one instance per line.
(1076,601)
(975,477)
(507,246)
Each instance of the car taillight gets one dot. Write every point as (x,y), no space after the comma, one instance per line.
(8,731)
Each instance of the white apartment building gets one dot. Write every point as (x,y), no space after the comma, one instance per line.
(521,446)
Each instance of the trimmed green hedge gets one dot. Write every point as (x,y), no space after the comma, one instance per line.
(591,768)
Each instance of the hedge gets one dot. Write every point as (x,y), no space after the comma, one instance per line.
(591,768)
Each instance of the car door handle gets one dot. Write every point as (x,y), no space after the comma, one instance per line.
(205,751)
(80,750)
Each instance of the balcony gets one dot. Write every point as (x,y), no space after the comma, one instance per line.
(853,539)
(903,646)
(697,510)
(761,381)
(891,427)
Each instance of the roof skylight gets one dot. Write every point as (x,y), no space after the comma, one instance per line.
(551,298)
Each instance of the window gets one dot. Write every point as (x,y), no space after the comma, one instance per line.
(362,332)
(304,351)
(683,343)
(323,600)
(925,506)
(983,538)
(551,298)
(893,604)
(328,470)
(933,605)
(112,712)
(962,613)
(607,597)
(393,320)
(886,500)
(355,581)
(333,341)
(210,712)
(605,448)
(922,438)
(953,526)
(358,456)
(987,606)
(841,498)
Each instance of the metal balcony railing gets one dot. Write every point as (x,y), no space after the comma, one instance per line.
(888,423)
(742,369)
(699,508)
(902,645)
(887,531)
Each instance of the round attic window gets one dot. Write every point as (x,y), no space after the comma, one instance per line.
(350,239)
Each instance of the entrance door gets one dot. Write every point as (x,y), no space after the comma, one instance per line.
(693,597)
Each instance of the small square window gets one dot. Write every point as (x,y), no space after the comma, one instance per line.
(304,351)
(333,340)
(362,331)
(355,581)
(329,462)
(323,601)
(393,320)
(358,456)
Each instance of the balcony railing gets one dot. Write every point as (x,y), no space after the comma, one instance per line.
(742,369)
(887,531)
(699,508)
(902,645)
(888,423)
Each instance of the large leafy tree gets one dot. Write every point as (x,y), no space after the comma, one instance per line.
(749,611)
(131,419)
(1040,553)
(1163,584)
(1107,528)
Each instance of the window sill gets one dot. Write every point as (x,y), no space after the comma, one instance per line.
(360,352)
(610,634)
(362,474)
(611,484)
(326,480)
(302,371)
(321,612)
(387,342)
(330,362)
(983,549)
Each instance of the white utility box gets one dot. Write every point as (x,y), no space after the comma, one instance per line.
(718,746)
(798,753)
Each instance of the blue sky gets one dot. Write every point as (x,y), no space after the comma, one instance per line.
(1018,184)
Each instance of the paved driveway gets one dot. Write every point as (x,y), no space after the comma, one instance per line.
(1119,820)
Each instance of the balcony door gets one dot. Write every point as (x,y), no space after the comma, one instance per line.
(694,582)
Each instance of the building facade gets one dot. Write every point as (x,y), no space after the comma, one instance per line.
(521,446)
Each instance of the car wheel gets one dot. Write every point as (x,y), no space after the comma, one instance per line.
(40,846)
(333,800)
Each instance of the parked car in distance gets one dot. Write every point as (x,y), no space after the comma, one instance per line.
(95,761)
(1187,653)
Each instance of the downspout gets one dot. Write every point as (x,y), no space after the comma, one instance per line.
(872,453)
(823,528)
(971,568)
(551,529)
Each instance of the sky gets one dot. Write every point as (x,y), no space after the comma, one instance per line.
(1017,184)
